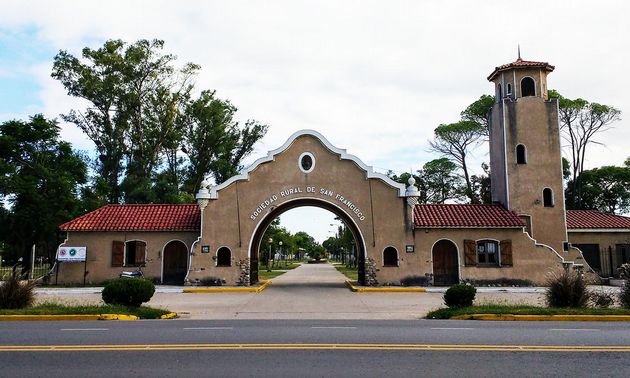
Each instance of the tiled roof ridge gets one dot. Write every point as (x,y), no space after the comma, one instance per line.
(138,217)
(520,63)
(470,215)
(595,219)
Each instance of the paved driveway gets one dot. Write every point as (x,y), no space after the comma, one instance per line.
(311,291)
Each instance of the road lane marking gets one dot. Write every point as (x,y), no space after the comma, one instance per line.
(452,328)
(84,329)
(376,347)
(333,327)
(574,329)
(207,328)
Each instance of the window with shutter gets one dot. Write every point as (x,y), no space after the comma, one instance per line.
(505,249)
(470,253)
(141,248)
(118,253)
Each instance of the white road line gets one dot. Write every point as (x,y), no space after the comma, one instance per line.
(211,328)
(333,327)
(574,329)
(84,329)
(451,328)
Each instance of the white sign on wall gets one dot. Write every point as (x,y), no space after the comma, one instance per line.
(71,254)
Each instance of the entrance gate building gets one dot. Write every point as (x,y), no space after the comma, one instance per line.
(306,171)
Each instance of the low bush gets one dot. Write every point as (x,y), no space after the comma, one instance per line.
(567,289)
(16,292)
(460,295)
(624,294)
(211,281)
(601,299)
(130,292)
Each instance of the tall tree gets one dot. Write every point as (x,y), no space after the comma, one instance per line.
(606,189)
(478,112)
(454,142)
(40,177)
(440,182)
(580,122)
(214,141)
(135,94)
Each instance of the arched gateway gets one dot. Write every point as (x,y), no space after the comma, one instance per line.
(305,171)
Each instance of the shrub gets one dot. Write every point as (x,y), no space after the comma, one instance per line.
(624,294)
(601,299)
(15,293)
(567,289)
(460,295)
(130,292)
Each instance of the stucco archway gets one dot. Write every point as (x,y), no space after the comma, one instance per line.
(255,243)
(307,170)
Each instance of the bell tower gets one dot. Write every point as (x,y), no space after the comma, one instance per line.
(525,157)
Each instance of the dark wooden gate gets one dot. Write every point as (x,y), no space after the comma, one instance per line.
(175,263)
(445,269)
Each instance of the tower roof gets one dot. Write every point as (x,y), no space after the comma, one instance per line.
(520,63)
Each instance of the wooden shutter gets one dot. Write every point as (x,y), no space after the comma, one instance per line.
(118,253)
(505,248)
(141,249)
(470,253)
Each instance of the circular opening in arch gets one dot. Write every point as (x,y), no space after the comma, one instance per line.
(267,252)
(306,162)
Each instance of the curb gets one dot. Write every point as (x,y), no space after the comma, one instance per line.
(219,289)
(384,289)
(67,317)
(170,315)
(586,318)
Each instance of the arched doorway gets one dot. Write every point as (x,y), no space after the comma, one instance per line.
(257,242)
(175,263)
(445,263)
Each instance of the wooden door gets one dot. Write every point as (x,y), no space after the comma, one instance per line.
(175,263)
(445,269)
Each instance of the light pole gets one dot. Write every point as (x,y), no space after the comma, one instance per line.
(280,251)
(269,254)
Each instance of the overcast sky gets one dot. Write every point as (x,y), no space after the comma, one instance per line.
(375,77)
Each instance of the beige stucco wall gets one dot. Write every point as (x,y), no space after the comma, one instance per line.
(605,240)
(232,219)
(530,261)
(99,254)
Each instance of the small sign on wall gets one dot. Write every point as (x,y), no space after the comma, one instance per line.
(205,249)
(410,248)
(71,254)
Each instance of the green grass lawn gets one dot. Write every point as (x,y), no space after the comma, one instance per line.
(351,273)
(276,271)
(142,312)
(447,313)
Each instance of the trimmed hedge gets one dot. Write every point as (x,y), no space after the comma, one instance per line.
(130,292)
(460,295)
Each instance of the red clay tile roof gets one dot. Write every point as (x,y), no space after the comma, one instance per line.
(453,216)
(167,217)
(593,219)
(519,63)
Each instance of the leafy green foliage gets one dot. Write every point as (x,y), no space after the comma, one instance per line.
(478,112)
(447,313)
(130,292)
(454,141)
(144,123)
(566,289)
(580,122)
(143,312)
(460,295)
(16,292)
(606,189)
(40,178)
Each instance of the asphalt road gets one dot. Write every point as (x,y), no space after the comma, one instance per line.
(314,348)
